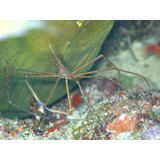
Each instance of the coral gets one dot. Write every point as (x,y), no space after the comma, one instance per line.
(155,48)
(76,99)
(120,117)
(123,123)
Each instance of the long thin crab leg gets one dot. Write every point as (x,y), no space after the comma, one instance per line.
(86,99)
(3,86)
(56,111)
(109,78)
(45,105)
(100,56)
(51,93)
(68,95)
(112,68)
(54,51)
(45,108)
(40,103)
(37,75)
(9,99)
(40,75)
(129,91)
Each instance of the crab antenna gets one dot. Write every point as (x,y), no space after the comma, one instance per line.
(54,52)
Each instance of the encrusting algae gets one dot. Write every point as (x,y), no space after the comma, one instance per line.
(119,118)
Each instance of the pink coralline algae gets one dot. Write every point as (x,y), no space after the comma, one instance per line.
(98,89)
(151,134)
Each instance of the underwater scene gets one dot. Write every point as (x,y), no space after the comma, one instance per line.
(79,80)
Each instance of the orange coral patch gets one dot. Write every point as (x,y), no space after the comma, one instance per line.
(124,124)
(153,48)
(59,124)
(76,100)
